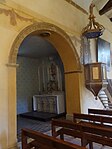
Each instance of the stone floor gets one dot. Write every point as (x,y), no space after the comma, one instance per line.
(45,127)
(31,124)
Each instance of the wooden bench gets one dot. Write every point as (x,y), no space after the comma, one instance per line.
(61,127)
(87,132)
(92,118)
(42,141)
(100,112)
(96,124)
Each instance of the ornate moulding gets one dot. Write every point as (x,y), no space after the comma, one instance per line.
(14,16)
(39,27)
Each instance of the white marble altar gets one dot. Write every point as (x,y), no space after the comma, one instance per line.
(49,103)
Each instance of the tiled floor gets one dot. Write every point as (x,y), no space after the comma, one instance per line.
(45,127)
(31,124)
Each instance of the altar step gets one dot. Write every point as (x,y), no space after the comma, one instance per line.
(41,116)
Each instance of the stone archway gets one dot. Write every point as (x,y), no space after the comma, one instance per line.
(72,67)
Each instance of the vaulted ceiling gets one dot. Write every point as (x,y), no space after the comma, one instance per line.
(36,47)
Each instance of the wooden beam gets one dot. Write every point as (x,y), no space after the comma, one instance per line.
(106,8)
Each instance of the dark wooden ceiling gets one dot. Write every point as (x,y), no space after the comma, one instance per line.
(107,7)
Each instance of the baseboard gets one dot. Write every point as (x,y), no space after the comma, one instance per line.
(69,117)
(13,147)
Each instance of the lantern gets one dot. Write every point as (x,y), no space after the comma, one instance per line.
(93,28)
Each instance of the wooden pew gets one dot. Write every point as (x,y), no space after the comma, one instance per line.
(92,118)
(101,124)
(87,132)
(100,112)
(68,128)
(42,141)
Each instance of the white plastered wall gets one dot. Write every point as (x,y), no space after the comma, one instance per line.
(67,17)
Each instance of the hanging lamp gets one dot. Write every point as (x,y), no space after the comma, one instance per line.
(95,73)
(93,28)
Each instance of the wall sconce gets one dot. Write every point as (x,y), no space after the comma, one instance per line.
(95,77)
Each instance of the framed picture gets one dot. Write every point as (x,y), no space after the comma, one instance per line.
(103,52)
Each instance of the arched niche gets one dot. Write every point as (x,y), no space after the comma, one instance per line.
(72,67)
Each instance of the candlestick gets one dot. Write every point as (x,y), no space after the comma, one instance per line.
(39,79)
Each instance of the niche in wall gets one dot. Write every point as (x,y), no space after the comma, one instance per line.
(34,73)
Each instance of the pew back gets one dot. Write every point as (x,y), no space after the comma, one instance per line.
(42,141)
(87,132)
(100,112)
(92,118)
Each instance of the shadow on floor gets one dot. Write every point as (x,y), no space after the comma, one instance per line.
(31,124)
(40,121)
(41,116)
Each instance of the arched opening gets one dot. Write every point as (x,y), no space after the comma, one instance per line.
(72,67)
(40,85)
